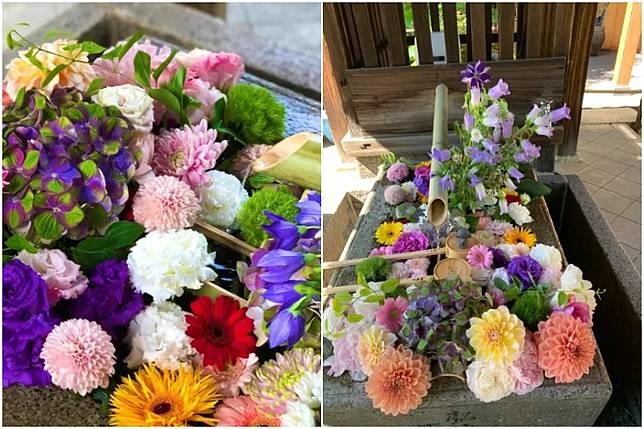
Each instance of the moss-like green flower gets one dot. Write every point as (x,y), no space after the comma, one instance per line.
(251,215)
(532,308)
(374,269)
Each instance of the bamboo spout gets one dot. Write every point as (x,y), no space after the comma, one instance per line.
(437,208)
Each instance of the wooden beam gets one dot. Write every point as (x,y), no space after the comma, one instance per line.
(434,16)
(478,33)
(628,44)
(222,237)
(506,30)
(452,45)
(422,32)
(613,23)
(365,33)
(534,29)
(392,21)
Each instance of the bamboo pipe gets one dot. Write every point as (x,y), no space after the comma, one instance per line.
(225,292)
(437,208)
(296,159)
(408,255)
(223,238)
(353,288)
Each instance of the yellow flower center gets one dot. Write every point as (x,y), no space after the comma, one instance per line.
(289,379)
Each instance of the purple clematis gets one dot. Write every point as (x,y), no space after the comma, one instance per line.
(476,75)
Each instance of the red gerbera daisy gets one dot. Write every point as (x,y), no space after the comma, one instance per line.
(220,330)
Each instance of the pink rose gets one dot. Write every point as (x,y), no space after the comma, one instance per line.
(63,277)
(199,90)
(142,148)
(576,309)
(525,370)
(221,70)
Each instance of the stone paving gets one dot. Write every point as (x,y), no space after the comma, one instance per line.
(609,162)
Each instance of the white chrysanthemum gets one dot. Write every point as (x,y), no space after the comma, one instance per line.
(489,382)
(547,256)
(133,102)
(519,214)
(158,335)
(309,389)
(221,201)
(161,264)
(297,414)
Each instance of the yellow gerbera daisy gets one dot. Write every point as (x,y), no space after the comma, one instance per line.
(422,198)
(520,235)
(388,232)
(164,397)
(497,336)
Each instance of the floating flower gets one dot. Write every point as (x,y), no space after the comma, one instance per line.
(394,195)
(165,203)
(399,384)
(132,101)
(243,411)
(397,172)
(373,344)
(566,347)
(345,352)
(63,277)
(526,269)
(547,256)
(79,356)
(163,397)
(222,199)
(519,213)
(475,75)
(234,377)
(411,241)
(142,149)
(501,89)
(511,251)
(520,235)
(497,336)
(572,283)
(388,232)
(390,314)
(243,161)
(480,257)
(422,173)
(499,227)
(157,335)
(187,153)
(273,384)
(220,330)
(298,415)
(162,264)
(287,326)
(525,370)
(489,382)
(410,191)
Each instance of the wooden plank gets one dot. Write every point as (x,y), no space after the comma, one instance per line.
(422,32)
(452,45)
(399,99)
(332,265)
(488,30)
(478,33)
(468,31)
(613,22)
(628,44)
(505,15)
(393,29)
(365,34)
(534,31)
(561,29)
(576,69)
(222,237)
(434,17)
(348,33)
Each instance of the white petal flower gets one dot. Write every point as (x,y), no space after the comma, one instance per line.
(221,201)
(298,414)
(133,102)
(547,256)
(572,282)
(309,389)
(519,214)
(162,264)
(158,334)
(489,382)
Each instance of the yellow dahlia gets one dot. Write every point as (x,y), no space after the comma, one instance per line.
(388,232)
(520,235)
(372,346)
(22,73)
(497,336)
(164,397)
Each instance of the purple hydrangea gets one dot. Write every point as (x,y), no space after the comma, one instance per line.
(410,241)
(421,178)
(26,322)
(526,269)
(109,300)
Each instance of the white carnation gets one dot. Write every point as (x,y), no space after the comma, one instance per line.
(297,414)
(519,214)
(221,201)
(133,102)
(547,256)
(489,382)
(161,264)
(309,389)
(158,334)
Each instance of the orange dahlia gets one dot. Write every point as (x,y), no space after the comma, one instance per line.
(566,347)
(401,381)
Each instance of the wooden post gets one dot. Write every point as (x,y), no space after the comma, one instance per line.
(628,43)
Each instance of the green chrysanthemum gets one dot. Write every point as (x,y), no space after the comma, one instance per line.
(251,215)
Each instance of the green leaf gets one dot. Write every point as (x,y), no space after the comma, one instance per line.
(166,98)
(123,233)
(231,133)
(176,82)
(500,283)
(40,102)
(72,47)
(47,227)
(74,114)
(94,87)
(92,47)
(129,43)
(33,60)
(20,98)
(257,181)
(343,297)
(375,298)
(18,242)
(562,299)
(390,285)
(354,317)
(142,68)
(31,159)
(533,188)
(57,34)
(364,291)
(218,113)
(164,64)
(512,294)
(112,53)
(74,216)
(11,44)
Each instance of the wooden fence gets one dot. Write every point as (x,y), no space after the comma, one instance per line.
(378,92)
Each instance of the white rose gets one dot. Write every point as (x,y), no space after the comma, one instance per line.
(547,256)
(222,200)
(132,101)
(520,214)
(572,282)
(489,383)
(297,415)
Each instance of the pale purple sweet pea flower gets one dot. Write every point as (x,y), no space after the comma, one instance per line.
(501,89)
(475,99)
(285,327)
(468,120)
(560,114)
(475,75)
(440,155)
(506,126)
(515,174)
(446,183)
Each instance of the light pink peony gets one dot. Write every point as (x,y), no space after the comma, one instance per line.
(234,377)
(165,203)
(142,148)
(345,353)
(525,370)
(79,355)
(187,153)
(199,90)
(418,267)
(221,70)
(63,277)
(390,314)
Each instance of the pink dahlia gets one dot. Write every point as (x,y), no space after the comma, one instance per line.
(390,314)
(525,370)
(397,172)
(243,411)
(187,153)
(234,377)
(242,166)
(380,251)
(411,241)
(480,257)
(165,203)
(221,70)
(79,355)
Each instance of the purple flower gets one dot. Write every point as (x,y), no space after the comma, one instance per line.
(530,152)
(560,114)
(468,120)
(491,146)
(440,155)
(421,179)
(25,325)
(283,293)
(284,233)
(109,300)
(446,183)
(279,265)
(475,98)
(526,269)
(475,75)
(475,183)
(397,172)
(497,295)
(577,309)
(498,258)
(506,126)
(515,174)
(491,116)
(501,89)
(410,241)
(285,327)
(478,155)
(310,211)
